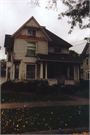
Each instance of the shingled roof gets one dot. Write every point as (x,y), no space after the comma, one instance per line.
(56,40)
(58,58)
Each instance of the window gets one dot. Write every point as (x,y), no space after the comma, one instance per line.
(57,49)
(9,56)
(31,49)
(71,72)
(8,75)
(87,61)
(16,71)
(30,73)
(31,33)
(87,75)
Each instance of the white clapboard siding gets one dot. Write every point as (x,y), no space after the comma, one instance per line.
(42,47)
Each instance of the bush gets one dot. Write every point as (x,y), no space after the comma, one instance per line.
(19,87)
(7,86)
(31,86)
(84,93)
(43,87)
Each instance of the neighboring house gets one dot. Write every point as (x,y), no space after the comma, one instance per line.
(33,52)
(85,70)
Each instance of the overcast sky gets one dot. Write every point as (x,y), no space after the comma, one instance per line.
(14,13)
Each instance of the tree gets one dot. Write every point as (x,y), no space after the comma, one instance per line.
(78,10)
(3,63)
(74,54)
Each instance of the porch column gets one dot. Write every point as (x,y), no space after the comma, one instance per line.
(68,72)
(41,70)
(45,70)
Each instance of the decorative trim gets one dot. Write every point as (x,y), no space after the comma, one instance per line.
(31,38)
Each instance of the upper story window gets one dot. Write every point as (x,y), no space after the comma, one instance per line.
(9,56)
(31,33)
(31,49)
(86,61)
(57,49)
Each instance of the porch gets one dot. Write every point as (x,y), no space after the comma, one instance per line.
(58,73)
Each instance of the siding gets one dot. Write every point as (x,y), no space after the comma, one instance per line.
(42,47)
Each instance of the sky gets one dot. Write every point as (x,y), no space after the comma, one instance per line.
(14,13)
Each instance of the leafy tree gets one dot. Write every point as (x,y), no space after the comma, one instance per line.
(3,63)
(73,53)
(77,11)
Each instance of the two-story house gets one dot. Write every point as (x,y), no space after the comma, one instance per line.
(85,68)
(33,52)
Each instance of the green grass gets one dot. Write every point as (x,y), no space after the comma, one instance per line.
(15,97)
(23,120)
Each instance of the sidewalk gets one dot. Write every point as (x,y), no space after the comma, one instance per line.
(77,101)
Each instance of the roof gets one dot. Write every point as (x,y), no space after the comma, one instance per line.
(52,38)
(58,58)
(83,54)
(8,41)
(56,40)
(85,49)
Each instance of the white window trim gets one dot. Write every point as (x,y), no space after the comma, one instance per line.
(35,72)
(27,48)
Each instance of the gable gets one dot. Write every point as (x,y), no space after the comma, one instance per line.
(32,23)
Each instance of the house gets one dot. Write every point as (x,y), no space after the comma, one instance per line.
(35,53)
(85,71)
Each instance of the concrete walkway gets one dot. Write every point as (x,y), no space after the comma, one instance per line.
(77,101)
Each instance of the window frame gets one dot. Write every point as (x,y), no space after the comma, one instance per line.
(31,49)
(87,62)
(9,56)
(16,74)
(31,72)
(87,75)
(31,33)
(56,49)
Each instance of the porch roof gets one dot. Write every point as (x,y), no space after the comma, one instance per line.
(66,58)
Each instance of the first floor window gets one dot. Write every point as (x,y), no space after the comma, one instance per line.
(9,56)
(71,72)
(16,71)
(87,75)
(31,49)
(8,73)
(30,72)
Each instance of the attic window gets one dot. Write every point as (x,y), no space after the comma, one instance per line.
(31,33)
(57,49)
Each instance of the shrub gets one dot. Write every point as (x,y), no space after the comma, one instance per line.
(43,87)
(31,86)
(7,86)
(84,93)
(19,87)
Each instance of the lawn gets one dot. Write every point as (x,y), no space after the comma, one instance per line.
(23,120)
(16,97)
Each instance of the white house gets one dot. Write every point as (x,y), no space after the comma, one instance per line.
(33,52)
